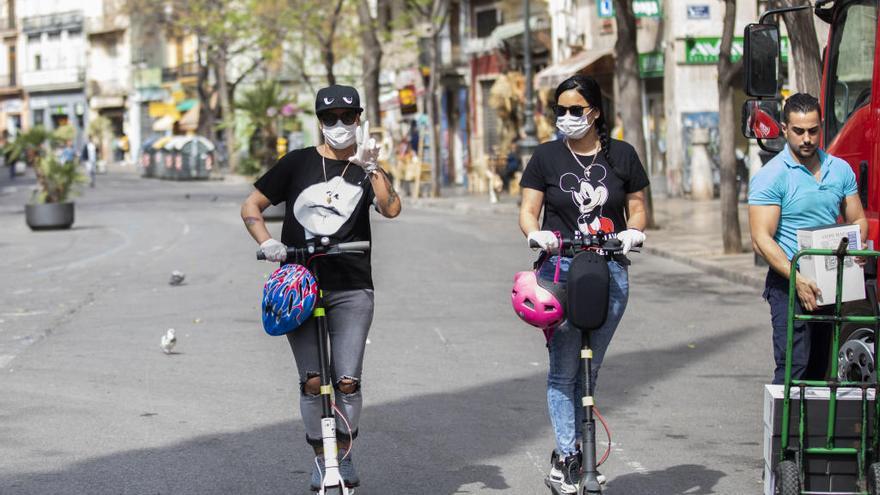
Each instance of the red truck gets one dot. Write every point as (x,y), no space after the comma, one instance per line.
(849,79)
(851,131)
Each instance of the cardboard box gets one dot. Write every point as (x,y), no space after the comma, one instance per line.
(823,269)
(823,473)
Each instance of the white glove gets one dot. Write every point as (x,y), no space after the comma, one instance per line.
(273,250)
(366,155)
(545,239)
(630,238)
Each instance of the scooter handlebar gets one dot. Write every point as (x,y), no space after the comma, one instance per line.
(328,249)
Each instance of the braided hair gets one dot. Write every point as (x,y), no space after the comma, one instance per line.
(590,90)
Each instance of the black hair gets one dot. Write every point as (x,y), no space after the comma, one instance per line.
(590,90)
(801,103)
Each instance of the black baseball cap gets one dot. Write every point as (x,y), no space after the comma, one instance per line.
(336,96)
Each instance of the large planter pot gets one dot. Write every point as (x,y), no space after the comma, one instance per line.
(275,213)
(49,216)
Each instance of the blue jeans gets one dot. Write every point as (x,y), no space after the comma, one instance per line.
(565,380)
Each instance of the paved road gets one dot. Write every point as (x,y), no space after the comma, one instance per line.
(454,382)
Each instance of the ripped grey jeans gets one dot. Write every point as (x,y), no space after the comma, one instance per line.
(349,315)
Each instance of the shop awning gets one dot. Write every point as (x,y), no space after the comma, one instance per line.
(504,32)
(163,124)
(554,74)
(190,120)
(187,104)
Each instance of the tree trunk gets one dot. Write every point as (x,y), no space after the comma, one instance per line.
(329,59)
(434,111)
(730,231)
(805,48)
(206,113)
(226,110)
(372,61)
(630,89)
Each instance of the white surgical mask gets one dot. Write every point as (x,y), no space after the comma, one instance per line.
(340,136)
(573,127)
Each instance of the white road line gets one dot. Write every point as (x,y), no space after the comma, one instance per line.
(442,338)
(536,462)
(126,240)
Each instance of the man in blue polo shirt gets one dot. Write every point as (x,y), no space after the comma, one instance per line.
(801,187)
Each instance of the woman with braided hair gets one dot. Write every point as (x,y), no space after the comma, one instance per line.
(585,182)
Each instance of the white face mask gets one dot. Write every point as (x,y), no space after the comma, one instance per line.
(574,127)
(340,136)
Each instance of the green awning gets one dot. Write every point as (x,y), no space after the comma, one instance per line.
(185,105)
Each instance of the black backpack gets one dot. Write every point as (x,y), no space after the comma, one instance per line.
(588,284)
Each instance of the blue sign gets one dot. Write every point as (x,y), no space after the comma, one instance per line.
(606,8)
(698,11)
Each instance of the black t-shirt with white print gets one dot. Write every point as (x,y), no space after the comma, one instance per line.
(297,171)
(584,195)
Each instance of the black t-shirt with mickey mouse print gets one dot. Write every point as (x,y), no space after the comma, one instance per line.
(584,195)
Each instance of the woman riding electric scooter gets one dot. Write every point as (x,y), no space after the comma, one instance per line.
(591,184)
(329,191)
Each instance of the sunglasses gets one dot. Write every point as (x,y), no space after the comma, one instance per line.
(330,119)
(574,110)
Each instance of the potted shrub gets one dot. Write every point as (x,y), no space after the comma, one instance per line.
(57,176)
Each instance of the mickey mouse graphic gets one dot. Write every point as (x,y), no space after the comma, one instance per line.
(589,194)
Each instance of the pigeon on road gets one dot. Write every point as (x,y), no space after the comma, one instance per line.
(168,341)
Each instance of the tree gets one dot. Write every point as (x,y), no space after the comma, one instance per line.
(433,15)
(371,59)
(727,71)
(805,48)
(629,86)
(224,30)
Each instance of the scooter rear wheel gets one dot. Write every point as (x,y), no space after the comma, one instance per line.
(788,480)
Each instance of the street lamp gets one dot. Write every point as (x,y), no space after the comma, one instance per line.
(528,143)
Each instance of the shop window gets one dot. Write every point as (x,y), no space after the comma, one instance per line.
(486,19)
(38,117)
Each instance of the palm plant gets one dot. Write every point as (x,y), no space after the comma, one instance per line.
(36,147)
(262,104)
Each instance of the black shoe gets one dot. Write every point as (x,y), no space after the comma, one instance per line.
(567,471)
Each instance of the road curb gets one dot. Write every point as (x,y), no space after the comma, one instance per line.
(728,274)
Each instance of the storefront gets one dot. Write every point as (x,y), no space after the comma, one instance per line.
(55,109)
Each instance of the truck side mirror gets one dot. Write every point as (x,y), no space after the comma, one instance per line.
(761,60)
(760,119)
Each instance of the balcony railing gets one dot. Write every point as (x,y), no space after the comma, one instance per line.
(7,23)
(58,21)
(8,81)
(106,24)
(189,69)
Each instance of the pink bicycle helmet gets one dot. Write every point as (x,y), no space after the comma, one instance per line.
(534,304)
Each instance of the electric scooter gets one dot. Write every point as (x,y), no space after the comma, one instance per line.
(588,280)
(308,257)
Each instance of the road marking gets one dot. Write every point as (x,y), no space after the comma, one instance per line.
(126,240)
(24,313)
(618,452)
(536,463)
(442,338)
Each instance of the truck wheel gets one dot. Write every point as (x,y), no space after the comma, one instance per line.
(874,479)
(787,479)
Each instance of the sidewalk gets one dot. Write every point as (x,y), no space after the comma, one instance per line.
(687,231)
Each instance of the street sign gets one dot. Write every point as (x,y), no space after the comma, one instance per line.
(698,11)
(705,50)
(641,8)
